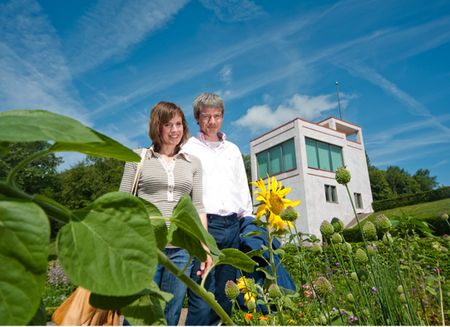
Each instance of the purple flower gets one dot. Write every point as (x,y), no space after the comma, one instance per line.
(374,290)
(352,319)
(55,274)
(343,313)
(338,264)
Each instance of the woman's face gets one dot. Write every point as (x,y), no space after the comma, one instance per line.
(172,132)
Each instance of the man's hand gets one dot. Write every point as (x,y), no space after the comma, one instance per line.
(204,266)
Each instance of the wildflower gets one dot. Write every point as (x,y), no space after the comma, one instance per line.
(248,316)
(369,231)
(326,229)
(383,223)
(231,290)
(308,291)
(361,256)
(264,318)
(274,291)
(352,319)
(338,225)
(374,290)
(400,289)
(316,248)
(273,202)
(323,319)
(55,274)
(322,286)
(336,238)
(337,264)
(346,247)
(247,287)
(343,175)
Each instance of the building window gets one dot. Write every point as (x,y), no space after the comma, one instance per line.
(323,155)
(358,200)
(330,193)
(277,159)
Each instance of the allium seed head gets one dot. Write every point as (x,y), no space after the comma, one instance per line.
(346,247)
(400,289)
(343,175)
(338,225)
(361,256)
(350,298)
(336,238)
(383,223)
(231,290)
(322,286)
(369,231)
(326,229)
(316,248)
(444,216)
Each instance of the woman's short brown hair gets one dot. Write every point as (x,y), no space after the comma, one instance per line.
(161,114)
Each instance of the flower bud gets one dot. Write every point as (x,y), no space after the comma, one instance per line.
(338,224)
(323,319)
(322,286)
(343,175)
(444,216)
(346,247)
(316,248)
(403,298)
(251,304)
(400,289)
(354,276)
(231,290)
(383,223)
(289,214)
(350,298)
(361,256)
(369,231)
(336,238)
(274,291)
(326,229)
(387,239)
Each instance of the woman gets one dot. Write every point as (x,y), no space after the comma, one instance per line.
(166,174)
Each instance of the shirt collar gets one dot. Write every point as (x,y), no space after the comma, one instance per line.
(222,137)
(181,154)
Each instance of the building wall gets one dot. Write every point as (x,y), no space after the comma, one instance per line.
(308,184)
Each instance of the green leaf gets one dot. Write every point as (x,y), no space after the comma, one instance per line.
(186,218)
(237,259)
(179,237)
(41,125)
(40,317)
(159,225)
(113,302)
(110,249)
(149,309)
(107,147)
(267,273)
(250,234)
(24,238)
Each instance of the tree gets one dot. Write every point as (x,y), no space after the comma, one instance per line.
(379,185)
(39,176)
(425,181)
(248,170)
(401,181)
(88,180)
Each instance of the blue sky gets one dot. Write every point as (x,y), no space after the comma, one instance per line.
(107,62)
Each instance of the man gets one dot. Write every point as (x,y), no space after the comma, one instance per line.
(226,198)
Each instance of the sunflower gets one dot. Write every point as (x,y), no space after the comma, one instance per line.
(248,288)
(273,201)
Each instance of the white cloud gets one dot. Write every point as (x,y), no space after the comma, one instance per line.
(231,11)
(112,27)
(262,117)
(226,74)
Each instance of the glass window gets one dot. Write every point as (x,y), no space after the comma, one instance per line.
(277,159)
(324,156)
(330,193)
(311,153)
(336,157)
(358,200)
(289,155)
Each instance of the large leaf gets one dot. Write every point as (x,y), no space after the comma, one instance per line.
(110,249)
(237,259)
(24,238)
(186,218)
(149,309)
(159,225)
(107,147)
(42,125)
(113,302)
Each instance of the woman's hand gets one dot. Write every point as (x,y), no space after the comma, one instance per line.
(205,266)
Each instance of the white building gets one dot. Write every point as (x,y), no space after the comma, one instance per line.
(304,156)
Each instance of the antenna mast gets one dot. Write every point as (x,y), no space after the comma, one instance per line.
(339,101)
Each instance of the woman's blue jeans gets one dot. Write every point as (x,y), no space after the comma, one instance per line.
(167,282)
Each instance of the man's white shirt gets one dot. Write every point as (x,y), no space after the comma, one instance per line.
(225,185)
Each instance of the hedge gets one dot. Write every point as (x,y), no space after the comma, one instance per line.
(410,199)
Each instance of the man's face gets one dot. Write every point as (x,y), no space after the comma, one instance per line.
(210,122)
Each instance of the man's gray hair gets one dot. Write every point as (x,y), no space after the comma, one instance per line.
(207,100)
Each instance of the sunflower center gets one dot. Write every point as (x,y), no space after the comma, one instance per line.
(276,203)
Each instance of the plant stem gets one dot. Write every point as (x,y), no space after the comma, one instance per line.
(12,174)
(441,299)
(200,291)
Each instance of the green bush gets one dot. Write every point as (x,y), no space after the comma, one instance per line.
(438,194)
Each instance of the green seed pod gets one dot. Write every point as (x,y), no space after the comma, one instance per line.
(346,247)
(350,298)
(361,256)
(322,286)
(316,248)
(343,176)
(403,298)
(326,229)
(274,291)
(251,305)
(354,276)
(369,231)
(444,216)
(387,239)
(336,238)
(289,214)
(400,289)
(383,223)
(338,224)
(231,290)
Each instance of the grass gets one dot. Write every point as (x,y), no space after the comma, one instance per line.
(425,210)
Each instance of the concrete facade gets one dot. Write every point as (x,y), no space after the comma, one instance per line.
(308,184)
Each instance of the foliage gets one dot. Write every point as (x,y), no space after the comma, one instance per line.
(379,185)
(426,182)
(108,247)
(410,199)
